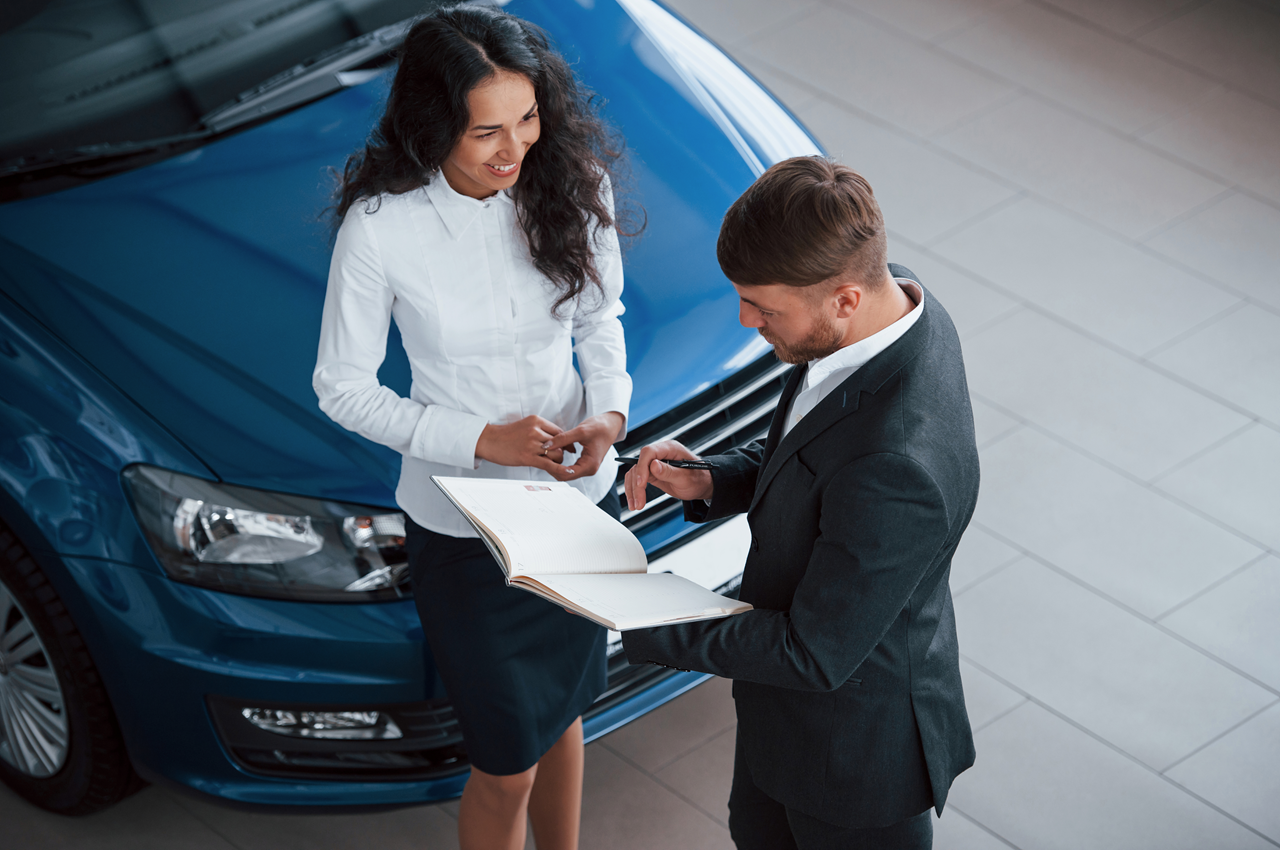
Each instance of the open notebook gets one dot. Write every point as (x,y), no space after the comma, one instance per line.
(551,540)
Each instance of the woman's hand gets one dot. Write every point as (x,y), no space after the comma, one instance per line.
(522,443)
(683,484)
(595,434)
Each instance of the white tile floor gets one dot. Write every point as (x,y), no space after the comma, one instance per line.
(1092,189)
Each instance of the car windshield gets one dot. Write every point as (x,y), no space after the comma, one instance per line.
(82,73)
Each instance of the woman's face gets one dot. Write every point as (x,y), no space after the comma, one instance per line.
(503,125)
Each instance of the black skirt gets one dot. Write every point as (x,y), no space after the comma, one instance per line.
(517,668)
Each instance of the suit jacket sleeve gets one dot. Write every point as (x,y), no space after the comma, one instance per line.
(734,480)
(883,522)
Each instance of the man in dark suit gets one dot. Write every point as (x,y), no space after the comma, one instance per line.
(851,719)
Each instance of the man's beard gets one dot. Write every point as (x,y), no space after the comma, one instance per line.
(823,339)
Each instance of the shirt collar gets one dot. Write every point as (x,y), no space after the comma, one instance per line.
(457,210)
(855,356)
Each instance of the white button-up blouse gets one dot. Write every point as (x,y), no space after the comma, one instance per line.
(483,346)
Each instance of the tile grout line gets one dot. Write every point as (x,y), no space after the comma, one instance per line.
(785,21)
(1150,354)
(1209,449)
(178,801)
(991,573)
(1001,715)
(1167,18)
(1212,586)
(668,788)
(1124,473)
(1095,226)
(1187,215)
(982,826)
(1133,612)
(977,218)
(1135,760)
(1134,41)
(1219,737)
(666,764)
(1089,334)
(1021,90)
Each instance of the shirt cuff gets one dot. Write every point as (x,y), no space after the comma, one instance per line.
(618,400)
(447,436)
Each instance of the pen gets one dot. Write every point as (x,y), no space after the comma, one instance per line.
(627,462)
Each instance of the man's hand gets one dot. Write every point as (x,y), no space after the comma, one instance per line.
(522,443)
(683,484)
(595,434)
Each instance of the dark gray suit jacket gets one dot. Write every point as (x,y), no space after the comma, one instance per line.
(846,674)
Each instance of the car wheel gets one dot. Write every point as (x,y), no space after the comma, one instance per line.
(60,746)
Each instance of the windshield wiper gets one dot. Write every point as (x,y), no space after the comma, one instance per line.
(323,74)
(318,76)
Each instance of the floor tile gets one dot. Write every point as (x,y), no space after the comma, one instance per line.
(1232,241)
(985,698)
(1125,539)
(1097,74)
(1236,484)
(1131,684)
(1238,773)
(1236,41)
(1237,357)
(1042,784)
(892,77)
(978,555)
(1236,621)
(705,775)
(1120,410)
(1081,166)
(149,820)
(624,809)
(1094,281)
(990,424)
(921,193)
(953,831)
(727,21)
(927,18)
(1123,18)
(401,829)
(970,303)
(665,734)
(1231,135)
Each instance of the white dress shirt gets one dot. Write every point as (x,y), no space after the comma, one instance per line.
(827,373)
(483,346)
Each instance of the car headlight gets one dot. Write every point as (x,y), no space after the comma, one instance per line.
(258,543)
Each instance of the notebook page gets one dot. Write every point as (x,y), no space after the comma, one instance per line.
(547,527)
(634,601)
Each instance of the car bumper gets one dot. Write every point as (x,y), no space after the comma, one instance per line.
(174,656)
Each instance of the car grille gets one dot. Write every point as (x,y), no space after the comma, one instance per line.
(731,413)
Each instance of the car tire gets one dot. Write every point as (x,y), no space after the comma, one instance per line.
(94,770)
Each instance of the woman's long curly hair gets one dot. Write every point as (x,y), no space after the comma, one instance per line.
(558,196)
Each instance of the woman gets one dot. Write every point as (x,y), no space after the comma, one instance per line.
(480,216)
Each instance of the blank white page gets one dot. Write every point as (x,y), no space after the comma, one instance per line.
(635,601)
(547,527)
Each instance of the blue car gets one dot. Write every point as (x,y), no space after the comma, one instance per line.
(202,578)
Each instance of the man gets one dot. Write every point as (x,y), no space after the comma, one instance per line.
(851,720)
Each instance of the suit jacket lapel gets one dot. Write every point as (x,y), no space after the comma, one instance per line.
(840,402)
(780,412)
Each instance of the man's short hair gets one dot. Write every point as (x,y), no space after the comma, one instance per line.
(804,221)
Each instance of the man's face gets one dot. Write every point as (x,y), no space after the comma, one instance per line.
(796,322)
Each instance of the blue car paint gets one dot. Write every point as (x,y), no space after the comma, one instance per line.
(169,315)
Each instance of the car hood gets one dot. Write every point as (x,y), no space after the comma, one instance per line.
(196,284)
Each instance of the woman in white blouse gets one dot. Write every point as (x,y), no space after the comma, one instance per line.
(480,217)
